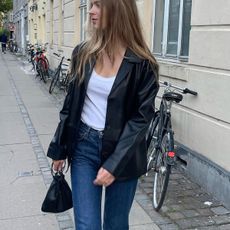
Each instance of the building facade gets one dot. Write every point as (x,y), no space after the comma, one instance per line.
(20,10)
(37,21)
(189,38)
(65,23)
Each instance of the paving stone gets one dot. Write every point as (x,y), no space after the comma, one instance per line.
(175,215)
(190,213)
(63,217)
(144,202)
(159,219)
(146,184)
(224,227)
(205,212)
(193,205)
(220,210)
(169,227)
(148,190)
(142,197)
(195,222)
(176,176)
(65,224)
(175,207)
(221,219)
(162,221)
(173,182)
(205,228)
(164,209)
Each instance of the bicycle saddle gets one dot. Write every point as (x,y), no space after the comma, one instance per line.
(172,96)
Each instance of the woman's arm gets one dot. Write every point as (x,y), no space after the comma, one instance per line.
(57,150)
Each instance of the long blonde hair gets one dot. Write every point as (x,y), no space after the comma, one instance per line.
(122,25)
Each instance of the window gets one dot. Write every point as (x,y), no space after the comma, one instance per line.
(83,15)
(172,28)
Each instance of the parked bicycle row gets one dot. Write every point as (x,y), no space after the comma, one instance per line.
(36,55)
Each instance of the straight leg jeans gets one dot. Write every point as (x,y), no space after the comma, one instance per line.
(87,197)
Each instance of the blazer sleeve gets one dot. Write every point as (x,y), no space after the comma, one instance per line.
(136,127)
(58,150)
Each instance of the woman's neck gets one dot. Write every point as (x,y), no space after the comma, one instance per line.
(107,67)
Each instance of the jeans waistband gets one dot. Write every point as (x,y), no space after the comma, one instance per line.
(90,129)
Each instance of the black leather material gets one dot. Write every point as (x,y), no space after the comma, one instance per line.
(59,195)
(129,112)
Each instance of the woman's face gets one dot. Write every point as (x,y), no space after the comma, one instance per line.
(95,13)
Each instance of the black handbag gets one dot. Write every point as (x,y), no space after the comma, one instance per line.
(59,195)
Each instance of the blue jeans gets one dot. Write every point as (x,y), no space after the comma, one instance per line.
(87,197)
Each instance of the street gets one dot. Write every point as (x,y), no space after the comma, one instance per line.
(28,118)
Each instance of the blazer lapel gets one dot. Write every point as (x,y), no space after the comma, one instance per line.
(124,69)
(126,66)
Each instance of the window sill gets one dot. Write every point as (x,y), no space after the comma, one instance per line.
(180,60)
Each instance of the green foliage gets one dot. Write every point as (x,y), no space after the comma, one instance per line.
(6,5)
(7,32)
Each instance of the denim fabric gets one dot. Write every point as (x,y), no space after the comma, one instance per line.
(86,161)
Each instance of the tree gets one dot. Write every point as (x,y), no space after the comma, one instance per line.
(6,5)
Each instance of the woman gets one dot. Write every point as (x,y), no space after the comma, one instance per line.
(106,114)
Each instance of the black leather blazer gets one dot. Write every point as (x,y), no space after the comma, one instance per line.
(129,111)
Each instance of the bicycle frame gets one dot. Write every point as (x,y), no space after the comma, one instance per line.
(165,127)
(160,142)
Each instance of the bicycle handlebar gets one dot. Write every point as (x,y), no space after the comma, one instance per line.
(60,56)
(183,90)
(186,90)
(57,54)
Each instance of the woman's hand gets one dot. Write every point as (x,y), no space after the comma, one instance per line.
(58,165)
(104,178)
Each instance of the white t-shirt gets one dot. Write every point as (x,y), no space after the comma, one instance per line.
(95,105)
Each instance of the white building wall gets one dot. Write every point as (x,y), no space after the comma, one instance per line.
(202,123)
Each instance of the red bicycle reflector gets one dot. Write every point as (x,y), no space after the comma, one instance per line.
(171,154)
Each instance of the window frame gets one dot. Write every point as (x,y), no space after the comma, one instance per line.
(164,43)
(83,12)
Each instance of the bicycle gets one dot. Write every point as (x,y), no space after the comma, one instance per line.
(40,62)
(61,77)
(160,142)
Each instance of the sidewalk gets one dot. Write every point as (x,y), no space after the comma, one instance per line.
(28,119)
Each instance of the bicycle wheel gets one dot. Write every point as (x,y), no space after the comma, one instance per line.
(46,66)
(54,81)
(42,70)
(66,82)
(161,174)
